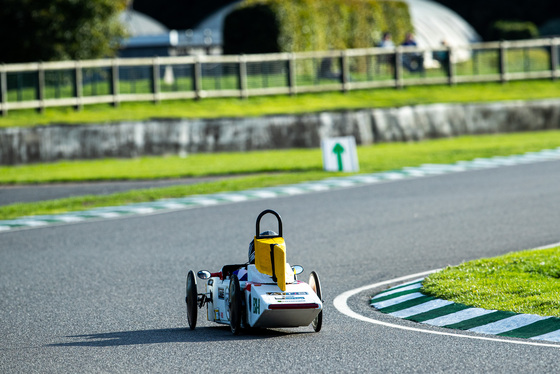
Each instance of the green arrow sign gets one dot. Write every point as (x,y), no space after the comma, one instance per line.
(338,150)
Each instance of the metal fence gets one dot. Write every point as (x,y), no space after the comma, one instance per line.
(78,83)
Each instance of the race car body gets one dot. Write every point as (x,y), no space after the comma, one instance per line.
(265,293)
(266,304)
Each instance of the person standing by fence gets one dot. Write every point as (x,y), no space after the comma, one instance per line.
(442,56)
(386,59)
(412,61)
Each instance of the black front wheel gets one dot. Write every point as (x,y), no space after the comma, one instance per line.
(235,305)
(191,299)
(316,286)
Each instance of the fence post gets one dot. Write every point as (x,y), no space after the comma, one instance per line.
(155,79)
(398,68)
(115,82)
(78,85)
(40,92)
(243,77)
(554,58)
(344,70)
(3,91)
(502,60)
(292,74)
(197,78)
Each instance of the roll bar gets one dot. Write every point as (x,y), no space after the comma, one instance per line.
(258,224)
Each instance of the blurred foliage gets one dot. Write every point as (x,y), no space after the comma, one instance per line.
(481,13)
(513,30)
(264,26)
(48,30)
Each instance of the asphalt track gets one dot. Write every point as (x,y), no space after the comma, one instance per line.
(29,193)
(108,296)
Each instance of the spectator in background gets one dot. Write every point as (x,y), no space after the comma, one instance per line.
(387,41)
(409,40)
(387,59)
(412,61)
(442,56)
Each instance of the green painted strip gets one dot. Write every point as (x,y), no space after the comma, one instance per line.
(122,212)
(438,312)
(87,215)
(406,304)
(482,320)
(392,296)
(535,329)
(401,286)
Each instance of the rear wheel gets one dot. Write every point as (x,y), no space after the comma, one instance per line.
(235,305)
(316,286)
(191,299)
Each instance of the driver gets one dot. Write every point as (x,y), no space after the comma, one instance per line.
(252,244)
(242,272)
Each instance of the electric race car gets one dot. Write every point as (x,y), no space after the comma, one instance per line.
(264,292)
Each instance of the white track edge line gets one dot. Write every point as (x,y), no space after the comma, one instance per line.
(341,303)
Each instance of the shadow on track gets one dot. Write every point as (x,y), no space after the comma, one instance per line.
(175,335)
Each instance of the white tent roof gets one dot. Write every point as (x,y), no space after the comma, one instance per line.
(139,24)
(215,21)
(434,23)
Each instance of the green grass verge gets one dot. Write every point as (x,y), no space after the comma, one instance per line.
(521,282)
(267,168)
(145,195)
(374,158)
(303,103)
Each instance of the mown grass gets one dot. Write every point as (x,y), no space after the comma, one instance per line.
(374,158)
(151,194)
(521,282)
(303,103)
(268,168)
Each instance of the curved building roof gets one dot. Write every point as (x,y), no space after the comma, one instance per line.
(215,21)
(434,23)
(139,24)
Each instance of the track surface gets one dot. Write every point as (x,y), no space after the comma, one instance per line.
(109,295)
(28,193)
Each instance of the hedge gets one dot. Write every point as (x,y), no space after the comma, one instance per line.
(513,30)
(267,26)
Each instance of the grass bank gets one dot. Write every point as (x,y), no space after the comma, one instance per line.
(374,158)
(265,168)
(303,103)
(521,282)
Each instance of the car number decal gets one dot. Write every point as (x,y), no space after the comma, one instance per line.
(289,298)
(256,305)
(286,293)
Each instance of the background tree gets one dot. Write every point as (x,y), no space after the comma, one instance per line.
(482,14)
(47,30)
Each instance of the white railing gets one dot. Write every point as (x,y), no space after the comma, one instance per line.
(78,83)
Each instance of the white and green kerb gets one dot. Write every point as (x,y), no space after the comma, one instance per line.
(273,192)
(406,301)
